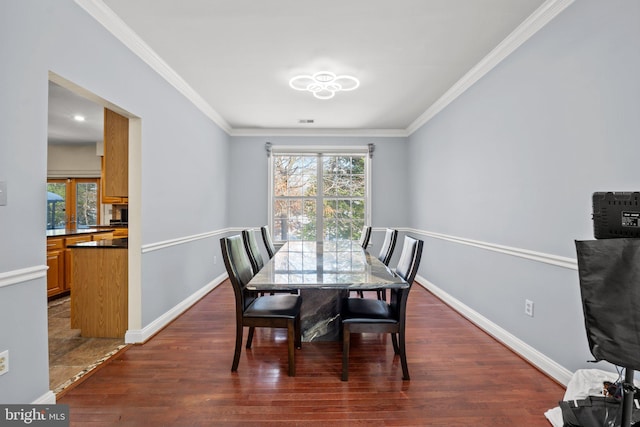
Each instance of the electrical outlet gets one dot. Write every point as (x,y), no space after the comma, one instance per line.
(4,362)
(528,307)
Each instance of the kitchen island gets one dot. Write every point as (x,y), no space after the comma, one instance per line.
(99,300)
(59,256)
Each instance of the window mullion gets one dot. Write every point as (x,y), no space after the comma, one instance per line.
(319,200)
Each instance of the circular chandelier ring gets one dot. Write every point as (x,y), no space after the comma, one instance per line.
(324,81)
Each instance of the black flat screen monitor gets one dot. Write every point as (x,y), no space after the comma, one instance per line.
(616,214)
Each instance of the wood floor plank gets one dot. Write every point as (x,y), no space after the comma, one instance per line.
(460,376)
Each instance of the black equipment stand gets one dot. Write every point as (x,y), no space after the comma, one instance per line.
(628,391)
(609,271)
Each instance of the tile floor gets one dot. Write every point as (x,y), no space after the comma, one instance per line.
(70,355)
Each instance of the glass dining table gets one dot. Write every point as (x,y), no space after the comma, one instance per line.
(324,273)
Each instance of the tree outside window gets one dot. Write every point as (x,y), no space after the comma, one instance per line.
(319,196)
(73,203)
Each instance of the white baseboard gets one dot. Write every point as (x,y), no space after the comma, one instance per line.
(533,356)
(49,398)
(138,336)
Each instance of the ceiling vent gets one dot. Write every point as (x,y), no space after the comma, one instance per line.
(305,121)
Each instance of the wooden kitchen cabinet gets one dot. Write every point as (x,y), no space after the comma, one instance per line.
(110,200)
(120,233)
(56,270)
(102,236)
(115,166)
(59,259)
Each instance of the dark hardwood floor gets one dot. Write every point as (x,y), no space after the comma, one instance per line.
(460,376)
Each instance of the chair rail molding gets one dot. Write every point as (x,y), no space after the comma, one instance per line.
(150,247)
(23,275)
(558,261)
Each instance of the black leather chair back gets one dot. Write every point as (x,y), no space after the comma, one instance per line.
(388,246)
(239,269)
(407,268)
(365,236)
(409,259)
(268,242)
(251,246)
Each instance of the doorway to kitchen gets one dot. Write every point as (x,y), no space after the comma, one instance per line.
(72,356)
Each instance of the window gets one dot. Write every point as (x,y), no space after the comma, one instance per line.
(319,196)
(73,203)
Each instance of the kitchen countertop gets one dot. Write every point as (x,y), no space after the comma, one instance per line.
(59,232)
(103,244)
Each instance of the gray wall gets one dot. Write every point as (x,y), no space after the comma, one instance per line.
(183,173)
(514,161)
(78,161)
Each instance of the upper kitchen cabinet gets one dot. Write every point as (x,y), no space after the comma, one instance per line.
(115,163)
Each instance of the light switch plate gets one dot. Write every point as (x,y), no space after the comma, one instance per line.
(3,193)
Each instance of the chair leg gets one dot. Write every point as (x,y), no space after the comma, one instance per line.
(346,340)
(394,341)
(403,358)
(298,331)
(238,349)
(358,293)
(291,340)
(382,295)
(250,336)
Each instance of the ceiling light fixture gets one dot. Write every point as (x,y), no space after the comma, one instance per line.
(78,118)
(324,84)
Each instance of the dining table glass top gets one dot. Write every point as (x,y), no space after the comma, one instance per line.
(340,264)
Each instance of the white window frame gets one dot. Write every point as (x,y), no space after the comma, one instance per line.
(359,150)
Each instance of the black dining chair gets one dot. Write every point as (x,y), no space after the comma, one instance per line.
(365,236)
(272,311)
(251,246)
(361,315)
(268,241)
(388,245)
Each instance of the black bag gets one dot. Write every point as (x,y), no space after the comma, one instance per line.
(595,411)
(609,271)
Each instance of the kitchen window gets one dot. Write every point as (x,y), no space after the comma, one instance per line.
(319,195)
(73,203)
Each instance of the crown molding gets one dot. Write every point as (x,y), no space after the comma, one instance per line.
(378,133)
(117,27)
(537,20)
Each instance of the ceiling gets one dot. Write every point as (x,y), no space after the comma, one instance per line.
(63,129)
(235,58)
